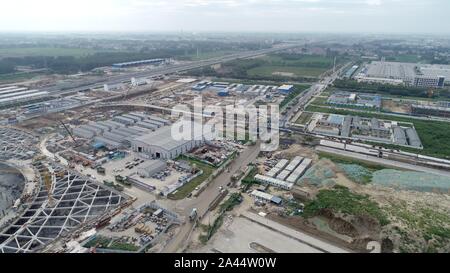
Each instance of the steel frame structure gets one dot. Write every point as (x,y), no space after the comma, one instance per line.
(75,200)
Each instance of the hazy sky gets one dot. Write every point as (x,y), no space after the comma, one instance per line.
(418,16)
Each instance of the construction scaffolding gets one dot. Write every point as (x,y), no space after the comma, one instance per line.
(74,201)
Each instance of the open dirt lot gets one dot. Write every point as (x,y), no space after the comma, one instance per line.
(244,236)
(396,106)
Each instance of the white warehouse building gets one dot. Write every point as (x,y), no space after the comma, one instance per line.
(161,145)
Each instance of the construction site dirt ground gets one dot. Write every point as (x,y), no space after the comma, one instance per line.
(399,205)
(396,107)
(240,235)
(396,204)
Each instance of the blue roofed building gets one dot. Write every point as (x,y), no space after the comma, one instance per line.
(286,89)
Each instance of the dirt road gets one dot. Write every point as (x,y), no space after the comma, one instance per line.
(203,201)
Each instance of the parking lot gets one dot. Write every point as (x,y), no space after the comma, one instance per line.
(113,168)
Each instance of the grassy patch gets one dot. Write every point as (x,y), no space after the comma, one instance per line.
(421,222)
(404,58)
(209,54)
(433,134)
(184,191)
(350,161)
(304,118)
(234,200)
(123,246)
(320,101)
(44,51)
(98,241)
(110,243)
(341,199)
(249,180)
(296,64)
(291,67)
(284,71)
(19,76)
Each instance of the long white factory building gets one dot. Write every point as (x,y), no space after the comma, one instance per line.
(161,145)
(14,94)
(146,134)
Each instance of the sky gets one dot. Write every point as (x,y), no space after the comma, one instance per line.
(330,16)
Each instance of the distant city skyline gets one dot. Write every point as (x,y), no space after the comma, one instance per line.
(339,16)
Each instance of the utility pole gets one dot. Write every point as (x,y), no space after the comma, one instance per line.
(334,65)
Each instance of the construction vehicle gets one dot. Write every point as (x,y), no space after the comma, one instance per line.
(123,180)
(119,187)
(70,134)
(193,215)
(108,183)
(141,228)
(101,170)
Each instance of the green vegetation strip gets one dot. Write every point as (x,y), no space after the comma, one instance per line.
(433,134)
(249,180)
(340,199)
(350,161)
(404,91)
(187,188)
(109,243)
(304,118)
(234,200)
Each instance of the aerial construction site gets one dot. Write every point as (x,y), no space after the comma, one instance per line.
(112,161)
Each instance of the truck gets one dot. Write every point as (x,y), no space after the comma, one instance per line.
(101,170)
(193,215)
(123,180)
(108,183)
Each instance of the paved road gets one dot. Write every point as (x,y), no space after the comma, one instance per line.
(306,96)
(203,201)
(85,85)
(383,161)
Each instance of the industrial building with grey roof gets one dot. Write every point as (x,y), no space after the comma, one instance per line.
(162,145)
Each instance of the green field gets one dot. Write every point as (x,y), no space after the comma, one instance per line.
(208,55)
(285,71)
(433,134)
(296,65)
(391,90)
(4,78)
(186,189)
(404,58)
(273,67)
(341,199)
(304,118)
(44,51)
(299,60)
(320,101)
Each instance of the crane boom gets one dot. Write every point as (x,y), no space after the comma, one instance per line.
(68,131)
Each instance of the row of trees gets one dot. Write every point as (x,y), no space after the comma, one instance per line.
(71,64)
(406,91)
